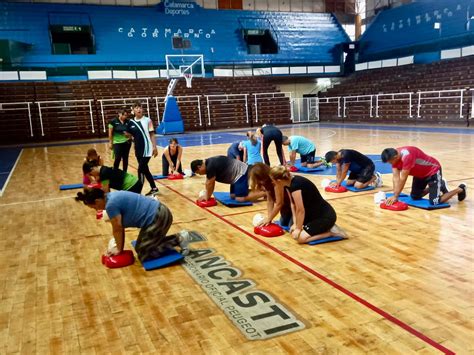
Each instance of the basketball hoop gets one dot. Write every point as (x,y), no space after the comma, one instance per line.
(189,79)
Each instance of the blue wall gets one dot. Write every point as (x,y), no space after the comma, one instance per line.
(409,29)
(141,36)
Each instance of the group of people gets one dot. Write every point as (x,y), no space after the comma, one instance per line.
(297,199)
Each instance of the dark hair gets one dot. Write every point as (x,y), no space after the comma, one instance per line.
(88,165)
(137,104)
(90,195)
(284,139)
(388,154)
(124,109)
(195,164)
(175,140)
(329,157)
(90,152)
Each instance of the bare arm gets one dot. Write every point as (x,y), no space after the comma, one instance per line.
(292,157)
(299,209)
(210,184)
(278,204)
(153,142)
(245,155)
(118,232)
(399,179)
(180,154)
(111,141)
(342,172)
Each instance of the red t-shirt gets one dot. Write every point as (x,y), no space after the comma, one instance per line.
(420,164)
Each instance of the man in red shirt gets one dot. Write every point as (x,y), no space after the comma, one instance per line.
(425,170)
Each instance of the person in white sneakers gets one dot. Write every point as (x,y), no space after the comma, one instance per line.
(361,167)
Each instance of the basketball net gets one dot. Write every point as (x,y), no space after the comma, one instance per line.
(189,79)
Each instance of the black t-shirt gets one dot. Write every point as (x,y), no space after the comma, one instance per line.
(357,161)
(224,169)
(115,176)
(118,126)
(269,129)
(314,204)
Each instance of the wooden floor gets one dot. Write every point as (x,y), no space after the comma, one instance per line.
(402,282)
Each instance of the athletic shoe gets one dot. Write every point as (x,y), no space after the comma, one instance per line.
(152,192)
(339,231)
(378,179)
(184,240)
(462,194)
(325,163)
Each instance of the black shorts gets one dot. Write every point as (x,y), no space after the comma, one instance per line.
(365,175)
(434,182)
(321,224)
(308,158)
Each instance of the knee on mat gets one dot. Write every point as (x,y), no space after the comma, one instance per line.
(416,196)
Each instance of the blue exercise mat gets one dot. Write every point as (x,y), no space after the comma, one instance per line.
(354,189)
(286,228)
(305,169)
(71,187)
(326,240)
(169,257)
(159,177)
(424,203)
(224,198)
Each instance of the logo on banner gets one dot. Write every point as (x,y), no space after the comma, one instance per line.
(254,312)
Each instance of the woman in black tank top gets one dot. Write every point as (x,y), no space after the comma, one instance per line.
(313,217)
(171,158)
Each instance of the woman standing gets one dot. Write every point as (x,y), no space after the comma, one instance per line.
(271,134)
(119,141)
(313,217)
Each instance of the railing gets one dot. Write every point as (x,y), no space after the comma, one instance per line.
(357,99)
(399,96)
(329,100)
(421,96)
(227,100)
(268,96)
(472,103)
(2,108)
(65,104)
(190,100)
(122,101)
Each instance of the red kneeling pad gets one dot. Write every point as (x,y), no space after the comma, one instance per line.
(396,206)
(335,189)
(269,231)
(175,177)
(125,258)
(293,169)
(95,185)
(209,203)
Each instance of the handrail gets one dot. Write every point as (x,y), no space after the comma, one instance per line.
(101,101)
(198,100)
(272,96)
(392,95)
(227,99)
(338,98)
(439,92)
(27,103)
(357,97)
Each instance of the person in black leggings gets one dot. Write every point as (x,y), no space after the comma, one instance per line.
(272,134)
(313,217)
(171,158)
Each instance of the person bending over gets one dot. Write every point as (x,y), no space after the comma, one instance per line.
(305,148)
(270,134)
(126,209)
(426,172)
(113,178)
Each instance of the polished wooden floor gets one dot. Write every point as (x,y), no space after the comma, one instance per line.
(402,282)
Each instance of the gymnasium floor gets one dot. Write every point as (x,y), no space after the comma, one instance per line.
(402,282)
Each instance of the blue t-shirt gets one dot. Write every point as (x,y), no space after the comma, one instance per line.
(136,210)
(302,145)
(253,152)
(233,152)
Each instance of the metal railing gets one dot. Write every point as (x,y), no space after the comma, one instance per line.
(428,95)
(3,104)
(227,99)
(104,103)
(329,100)
(357,99)
(391,97)
(190,100)
(268,96)
(65,104)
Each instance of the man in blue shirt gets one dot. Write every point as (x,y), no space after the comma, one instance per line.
(305,148)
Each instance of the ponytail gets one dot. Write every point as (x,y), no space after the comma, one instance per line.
(90,195)
(280,173)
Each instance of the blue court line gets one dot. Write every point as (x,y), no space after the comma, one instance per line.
(8,159)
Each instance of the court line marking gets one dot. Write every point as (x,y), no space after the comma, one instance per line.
(36,201)
(4,187)
(325,279)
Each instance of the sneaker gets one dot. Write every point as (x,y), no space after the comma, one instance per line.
(339,231)
(462,194)
(184,240)
(152,192)
(325,163)
(378,179)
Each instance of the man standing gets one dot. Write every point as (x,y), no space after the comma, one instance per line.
(426,171)
(141,128)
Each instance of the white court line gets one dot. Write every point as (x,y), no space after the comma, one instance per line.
(37,201)
(11,173)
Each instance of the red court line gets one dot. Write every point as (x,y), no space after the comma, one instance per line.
(340,288)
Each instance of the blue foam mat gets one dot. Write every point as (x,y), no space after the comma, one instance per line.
(159,177)
(382,168)
(326,240)
(353,189)
(286,228)
(424,203)
(169,257)
(224,198)
(71,187)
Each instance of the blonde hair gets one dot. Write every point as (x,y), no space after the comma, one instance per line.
(260,177)
(280,173)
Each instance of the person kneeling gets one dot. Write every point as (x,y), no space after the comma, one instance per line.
(127,209)
(313,217)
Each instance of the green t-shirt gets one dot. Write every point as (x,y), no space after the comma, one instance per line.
(119,129)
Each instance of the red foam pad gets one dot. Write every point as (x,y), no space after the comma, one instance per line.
(269,231)
(396,206)
(293,169)
(125,258)
(175,177)
(209,203)
(335,189)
